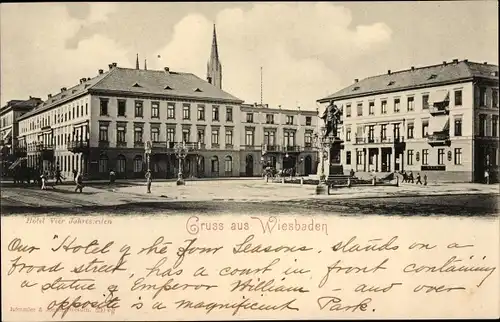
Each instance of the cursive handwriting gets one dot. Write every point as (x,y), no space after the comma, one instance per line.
(190,250)
(110,302)
(16,246)
(26,268)
(264,286)
(248,248)
(336,268)
(374,246)
(85,284)
(333,303)
(170,285)
(246,304)
(91,248)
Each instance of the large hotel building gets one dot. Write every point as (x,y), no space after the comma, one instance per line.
(441,120)
(105,121)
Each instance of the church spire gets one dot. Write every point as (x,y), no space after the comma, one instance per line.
(214,66)
(145,65)
(137,62)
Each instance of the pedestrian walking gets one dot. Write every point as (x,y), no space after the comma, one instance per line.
(410,177)
(418,181)
(148,180)
(59,176)
(487,176)
(79,182)
(43,178)
(425,179)
(112,176)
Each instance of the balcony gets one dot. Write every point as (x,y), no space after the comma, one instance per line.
(20,152)
(439,138)
(439,109)
(43,147)
(78,146)
(270,148)
(291,148)
(104,144)
(308,147)
(251,147)
(379,140)
(167,146)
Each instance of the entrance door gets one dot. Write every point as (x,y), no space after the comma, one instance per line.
(307,165)
(249,165)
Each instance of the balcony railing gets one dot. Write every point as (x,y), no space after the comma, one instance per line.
(379,140)
(121,144)
(104,144)
(251,147)
(308,147)
(78,146)
(439,138)
(439,109)
(270,147)
(291,148)
(169,146)
(41,147)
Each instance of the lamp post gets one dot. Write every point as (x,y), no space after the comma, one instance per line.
(147,151)
(181,151)
(322,144)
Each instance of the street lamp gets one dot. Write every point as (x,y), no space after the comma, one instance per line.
(181,151)
(147,151)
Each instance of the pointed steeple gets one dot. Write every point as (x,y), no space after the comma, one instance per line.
(145,65)
(137,62)
(214,66)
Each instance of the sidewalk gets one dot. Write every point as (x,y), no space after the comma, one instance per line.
(260,191)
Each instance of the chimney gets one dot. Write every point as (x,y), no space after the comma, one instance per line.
(356,80)
(444,63)
(100,71)
(412,67)
(466,60)
(455,61)
(110,66)
(88,78)
(486,63)
(49,96)
(266,105)
(167,69)
(63,89)
(389,72)
(114,64)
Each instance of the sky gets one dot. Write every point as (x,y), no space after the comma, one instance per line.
(307,50)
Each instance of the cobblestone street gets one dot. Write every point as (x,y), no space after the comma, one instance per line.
(242,196)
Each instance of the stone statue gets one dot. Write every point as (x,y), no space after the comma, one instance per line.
(331,117)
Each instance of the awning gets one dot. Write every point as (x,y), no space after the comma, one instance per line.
(439,123)
(8,134)
(16,163)
(439,97)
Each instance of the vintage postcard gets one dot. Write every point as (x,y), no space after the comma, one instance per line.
(248,161)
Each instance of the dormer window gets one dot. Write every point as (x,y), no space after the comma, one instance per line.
(73,91)
(136,85)
(167,87)
(198,90)
(391,83)
(433,76)
(355,88)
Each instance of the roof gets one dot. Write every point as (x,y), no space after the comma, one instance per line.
(160,82)
(265,108)
(120,80)
(22,104)
(417,77)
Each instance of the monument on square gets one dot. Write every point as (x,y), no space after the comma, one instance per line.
(329,146)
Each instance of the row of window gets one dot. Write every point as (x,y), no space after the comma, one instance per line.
(61,115)
(138,164)
(171,110)
(410,103)
(410,129)
(411,154)
(270,119)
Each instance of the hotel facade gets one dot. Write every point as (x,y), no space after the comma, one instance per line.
(440,120)
(110,121)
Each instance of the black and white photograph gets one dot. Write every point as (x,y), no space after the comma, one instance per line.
(249,160)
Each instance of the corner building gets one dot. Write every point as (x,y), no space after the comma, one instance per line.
(441,120)
(280,138)
(104,122)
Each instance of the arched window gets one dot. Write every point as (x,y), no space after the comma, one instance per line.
(103,164)
(138,164)
(228,164)
(121,163)
(215,164)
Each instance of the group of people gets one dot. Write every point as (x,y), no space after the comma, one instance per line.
(409,178)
